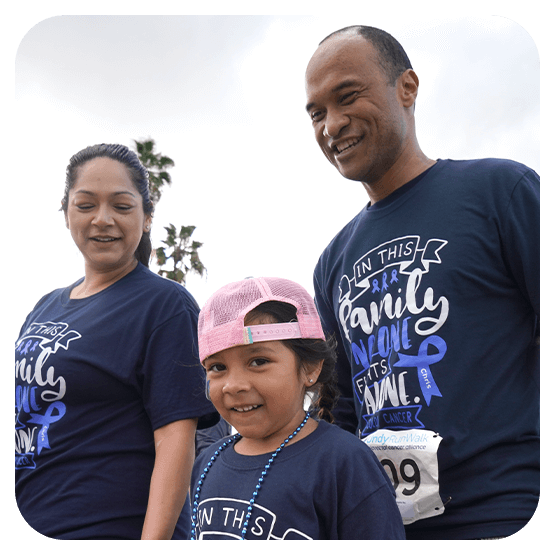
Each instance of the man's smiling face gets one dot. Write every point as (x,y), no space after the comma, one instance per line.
(357,116)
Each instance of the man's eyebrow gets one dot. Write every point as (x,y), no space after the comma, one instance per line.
(338,88)
(345,85)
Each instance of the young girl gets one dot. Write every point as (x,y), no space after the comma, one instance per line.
(285,475)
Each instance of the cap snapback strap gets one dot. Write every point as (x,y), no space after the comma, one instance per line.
(271,332)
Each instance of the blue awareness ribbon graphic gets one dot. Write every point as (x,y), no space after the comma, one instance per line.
(422,362)
(45,420)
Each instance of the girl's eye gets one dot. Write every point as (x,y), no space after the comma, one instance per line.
(257,362)
(216,368)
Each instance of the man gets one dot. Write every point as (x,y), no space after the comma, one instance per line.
(432,291)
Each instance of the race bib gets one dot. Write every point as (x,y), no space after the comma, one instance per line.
(410,459)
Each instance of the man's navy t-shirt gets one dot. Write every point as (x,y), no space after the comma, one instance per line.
(433,295)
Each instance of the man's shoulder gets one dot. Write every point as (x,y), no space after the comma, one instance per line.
(485,166)
(345,235)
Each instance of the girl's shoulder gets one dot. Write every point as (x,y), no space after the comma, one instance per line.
(339,458)
(339,437)
(327,443)
(332,443)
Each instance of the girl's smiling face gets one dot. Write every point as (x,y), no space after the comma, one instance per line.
(259,389)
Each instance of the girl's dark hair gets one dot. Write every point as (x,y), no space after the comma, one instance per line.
(137,172)
(308,351)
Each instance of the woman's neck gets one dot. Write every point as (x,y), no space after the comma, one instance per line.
(96,281)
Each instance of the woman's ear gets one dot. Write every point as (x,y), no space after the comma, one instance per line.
(147,223)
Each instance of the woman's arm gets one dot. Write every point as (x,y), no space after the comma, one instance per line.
(175,452)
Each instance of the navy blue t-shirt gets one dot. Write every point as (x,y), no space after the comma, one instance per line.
(328,485)
(433,294)
(94,378)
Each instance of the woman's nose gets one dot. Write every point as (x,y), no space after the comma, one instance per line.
(103,216)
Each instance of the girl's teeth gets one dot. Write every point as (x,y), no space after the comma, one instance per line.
(245,409)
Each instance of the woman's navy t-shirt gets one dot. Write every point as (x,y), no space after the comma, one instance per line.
(94,378)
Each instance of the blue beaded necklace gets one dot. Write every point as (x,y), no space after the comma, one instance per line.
(221,448)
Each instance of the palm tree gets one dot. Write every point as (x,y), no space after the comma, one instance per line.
(180,248)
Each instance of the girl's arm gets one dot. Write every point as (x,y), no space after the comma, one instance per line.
(175,451)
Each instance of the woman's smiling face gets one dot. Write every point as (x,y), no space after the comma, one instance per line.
(105,215)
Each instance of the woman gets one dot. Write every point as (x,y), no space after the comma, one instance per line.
(109,389)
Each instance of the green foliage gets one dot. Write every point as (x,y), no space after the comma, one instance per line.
(157,165)
(181,252)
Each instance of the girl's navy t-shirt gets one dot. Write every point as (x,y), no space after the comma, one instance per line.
(329,485)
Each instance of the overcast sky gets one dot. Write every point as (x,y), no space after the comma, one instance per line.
(224,97)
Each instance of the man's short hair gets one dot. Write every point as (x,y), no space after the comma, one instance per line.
(392,56)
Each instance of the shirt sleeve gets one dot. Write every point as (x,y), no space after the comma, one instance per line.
(376,517)
(173,378)
(521,237)
(344,411)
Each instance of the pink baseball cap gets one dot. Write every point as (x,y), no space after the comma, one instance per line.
(221,323)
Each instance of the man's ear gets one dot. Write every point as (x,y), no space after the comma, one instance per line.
(407,86)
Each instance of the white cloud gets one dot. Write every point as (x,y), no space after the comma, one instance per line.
(224,97)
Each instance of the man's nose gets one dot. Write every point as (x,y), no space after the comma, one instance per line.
(336,120)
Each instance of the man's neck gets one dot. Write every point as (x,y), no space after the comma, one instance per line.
(397,176)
